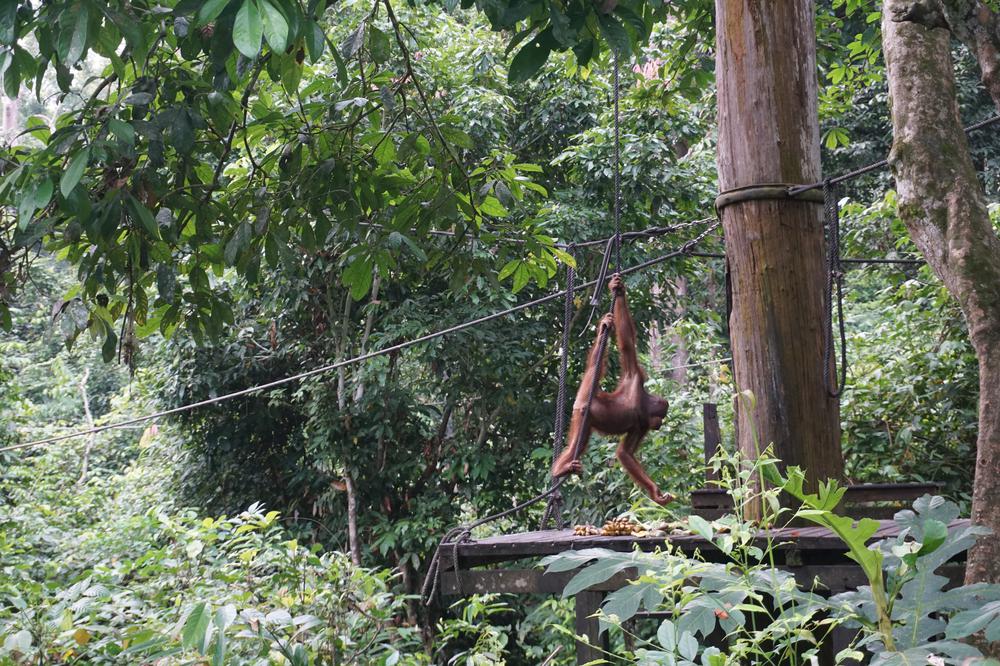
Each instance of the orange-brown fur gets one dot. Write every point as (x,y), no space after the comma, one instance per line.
(629,410)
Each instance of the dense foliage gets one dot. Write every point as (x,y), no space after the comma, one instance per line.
(219,194)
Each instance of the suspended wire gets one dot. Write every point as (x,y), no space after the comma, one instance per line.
(462,533)
(683,250)
(616,238)
(714,361)
(644,234)
(875,166)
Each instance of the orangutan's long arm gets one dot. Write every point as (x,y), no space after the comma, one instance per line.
(625,330)
(579,432)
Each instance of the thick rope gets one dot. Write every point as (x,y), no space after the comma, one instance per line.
(617,204)
(644,234)
(553,509)
(834,285)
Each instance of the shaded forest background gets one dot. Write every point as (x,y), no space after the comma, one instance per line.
(122,534)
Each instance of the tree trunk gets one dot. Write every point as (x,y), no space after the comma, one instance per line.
(943,205)
(979,29)
(769,133)
(352,520)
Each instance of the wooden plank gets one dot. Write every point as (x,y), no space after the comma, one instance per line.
(520,581)
(713,436)
(549,542)
(832,578)
(711,498)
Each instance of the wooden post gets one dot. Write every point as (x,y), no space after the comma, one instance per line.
(587,603)
(769,133)
(713,436)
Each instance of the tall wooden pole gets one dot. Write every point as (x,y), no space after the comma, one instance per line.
(769,133)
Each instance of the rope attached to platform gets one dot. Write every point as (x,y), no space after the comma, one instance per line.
(554,507)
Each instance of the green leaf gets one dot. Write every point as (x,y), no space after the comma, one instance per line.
(248,30)
(74,172)
(508,269)
(378,45)
(564,257)
(143,216)
(166,281)
(122,130)
(353,43)
(531,57)
(358,277)
(8,16)
(78,42)
(211,10)
(36,198)
(624,603)
(195,632)
(275,26)
(935,533)
(315,41)
(687,646)
(615,33)
(595,574)
(385,151)
(700,526)
(667,635)
(238,243)
(110,345)
(492,206)
(43,193)
(20,641)
(521,277)
(562,27)
(11,75)
(225,616)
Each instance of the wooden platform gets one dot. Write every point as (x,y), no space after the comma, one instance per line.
(811,542)
(810,553)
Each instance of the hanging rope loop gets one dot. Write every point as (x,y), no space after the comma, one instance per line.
(553,509)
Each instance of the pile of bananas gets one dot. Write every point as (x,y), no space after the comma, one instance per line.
(621,527)
(615,527)
(586,530)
